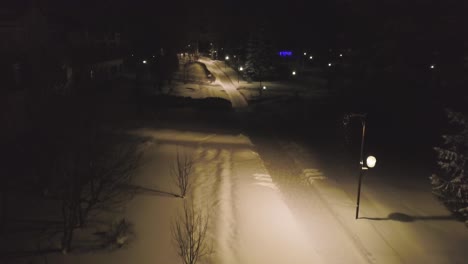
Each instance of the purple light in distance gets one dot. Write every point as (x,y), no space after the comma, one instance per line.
(285,53)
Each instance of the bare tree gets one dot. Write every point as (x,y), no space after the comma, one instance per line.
(181,172)
(189,234)
(91,178)
(67,166)
(110,173)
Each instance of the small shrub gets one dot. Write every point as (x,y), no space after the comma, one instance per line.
(118,235)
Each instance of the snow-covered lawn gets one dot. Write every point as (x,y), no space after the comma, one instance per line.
(253,90)
(249,221)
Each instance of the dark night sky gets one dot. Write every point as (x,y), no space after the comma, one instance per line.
(294,22)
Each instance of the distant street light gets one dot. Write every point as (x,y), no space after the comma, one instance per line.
(144,62)
(329,64)
(240,69)
(432,66)
(225,63)
(305,53)
(310,57)
(294,73)
(264,88)
(341,55)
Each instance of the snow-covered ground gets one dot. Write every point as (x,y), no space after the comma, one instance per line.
(192,82)
(225,77)
(231,86)
(398,223)
(232,81)
(249,221)
(276,202)
(260,214)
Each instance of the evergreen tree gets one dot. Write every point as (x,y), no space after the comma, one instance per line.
(259,58)
(450,184)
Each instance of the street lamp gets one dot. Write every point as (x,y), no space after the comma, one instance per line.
(294,73)
(240,69)
(264,88)
(144,61)
(225,63)
(310,57)
(371,160)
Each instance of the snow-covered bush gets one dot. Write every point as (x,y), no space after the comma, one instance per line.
(119,233)
(450,183)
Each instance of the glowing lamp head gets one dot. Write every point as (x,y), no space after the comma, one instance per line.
(294,73)
(329,64)
(371,160)
(341,55)
(305,53)
(432,66)
(240,68)
(310,57)
(264,87)
(144,62)
(227,57)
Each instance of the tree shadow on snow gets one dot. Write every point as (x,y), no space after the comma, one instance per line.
(401,217)
(145,190)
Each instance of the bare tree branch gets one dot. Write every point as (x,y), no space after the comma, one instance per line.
(189,234)
(181,172)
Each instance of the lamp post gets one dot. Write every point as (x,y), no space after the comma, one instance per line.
(302,62)
(225,63)
(240,69)
(370,160)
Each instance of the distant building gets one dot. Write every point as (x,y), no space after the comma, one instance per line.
(97,53)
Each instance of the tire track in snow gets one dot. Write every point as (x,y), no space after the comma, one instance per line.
(213,189)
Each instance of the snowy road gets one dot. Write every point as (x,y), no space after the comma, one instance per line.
(223,79)
(251,222)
